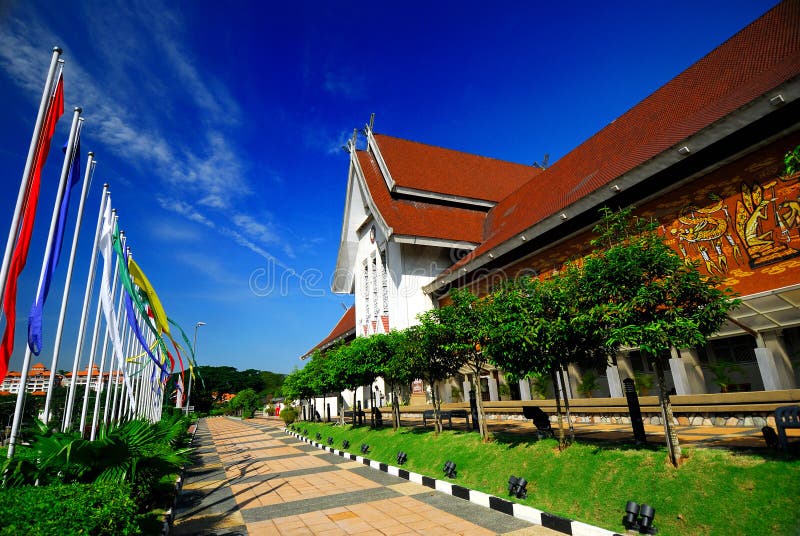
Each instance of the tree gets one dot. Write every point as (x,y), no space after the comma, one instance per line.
(394,366)
(466,334)
(425,349)
(536,329)
(351,364)
(649,297)
(246,401)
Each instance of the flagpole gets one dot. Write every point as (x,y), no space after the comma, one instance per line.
(100,383)
(111,372)
(23,186)
(62,184)
(95,341)
(87,179)
(87,297)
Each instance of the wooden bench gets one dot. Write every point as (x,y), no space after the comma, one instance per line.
(358,414)
(462,413)
(786,417)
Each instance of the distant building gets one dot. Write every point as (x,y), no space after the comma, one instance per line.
(38,380)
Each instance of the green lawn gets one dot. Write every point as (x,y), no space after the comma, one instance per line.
(715,492)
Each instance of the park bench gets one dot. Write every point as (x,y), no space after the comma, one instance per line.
(786,417)
(540,420)
(458,413)
(358,415)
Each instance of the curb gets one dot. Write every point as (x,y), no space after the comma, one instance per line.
(520,511)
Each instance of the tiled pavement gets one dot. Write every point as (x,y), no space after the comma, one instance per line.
(252,478)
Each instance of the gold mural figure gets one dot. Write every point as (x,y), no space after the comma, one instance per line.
(752,212)
(701,225)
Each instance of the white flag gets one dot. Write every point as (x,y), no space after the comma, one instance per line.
(107,251)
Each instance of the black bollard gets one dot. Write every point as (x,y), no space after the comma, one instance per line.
(634,410)
(473,406)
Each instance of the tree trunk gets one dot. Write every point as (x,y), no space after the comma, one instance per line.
(566,404)
(354,406)
(670,434)
(437,423)
(340,407)
(479,401)
(561,441)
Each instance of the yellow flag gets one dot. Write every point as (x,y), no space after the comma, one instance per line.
(143,283)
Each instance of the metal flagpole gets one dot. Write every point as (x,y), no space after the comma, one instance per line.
(26,363)
(100,383)
(87,297)
(191,370)
(119,390)
(87,179)
(95,340)
(23,187)
(113,375)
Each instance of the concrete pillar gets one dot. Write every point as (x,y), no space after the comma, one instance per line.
(447,393)
(467,388)
(694,371)
(679,377)
(572,379)
(614,382)
(774,342)
(624,366)
(773,370)
(493,396)
(525,389)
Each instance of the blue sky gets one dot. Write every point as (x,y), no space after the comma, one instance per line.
(219,127)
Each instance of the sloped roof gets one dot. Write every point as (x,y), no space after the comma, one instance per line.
(417,218)
(759,58)
(435,169)
(343,329)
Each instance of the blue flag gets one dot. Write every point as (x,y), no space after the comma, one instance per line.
(35,316)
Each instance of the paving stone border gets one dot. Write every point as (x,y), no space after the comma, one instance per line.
(519,511)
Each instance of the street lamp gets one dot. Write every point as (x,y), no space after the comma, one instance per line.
(194,352)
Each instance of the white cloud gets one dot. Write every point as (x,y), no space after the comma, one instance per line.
(130,89)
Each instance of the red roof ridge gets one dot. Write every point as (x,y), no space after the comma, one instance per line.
(421,167)
(448,149)
(342,328)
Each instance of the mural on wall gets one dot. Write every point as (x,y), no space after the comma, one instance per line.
(750,219)
(740,222)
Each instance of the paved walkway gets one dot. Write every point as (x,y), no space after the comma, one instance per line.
(252,478)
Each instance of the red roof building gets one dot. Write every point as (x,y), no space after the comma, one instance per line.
(703,154)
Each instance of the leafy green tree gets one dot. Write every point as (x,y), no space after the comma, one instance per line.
(394,366)
(353,366)
(430,359)
(466,333)
(246,401)
(536,329)
(650,297)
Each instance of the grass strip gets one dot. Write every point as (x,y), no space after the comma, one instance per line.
(716,492)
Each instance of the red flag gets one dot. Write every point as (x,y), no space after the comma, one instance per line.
(54,112)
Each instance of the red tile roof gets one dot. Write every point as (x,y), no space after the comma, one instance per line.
(342,329)
(416,218)
(435,169)
(762,56)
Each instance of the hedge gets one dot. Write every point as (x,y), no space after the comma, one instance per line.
(90,509)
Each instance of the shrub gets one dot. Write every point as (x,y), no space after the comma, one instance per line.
(68,509)
(288,415)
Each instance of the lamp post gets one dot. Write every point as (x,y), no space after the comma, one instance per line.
(194,352)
